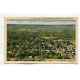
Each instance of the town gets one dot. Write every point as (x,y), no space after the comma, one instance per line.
(32,46)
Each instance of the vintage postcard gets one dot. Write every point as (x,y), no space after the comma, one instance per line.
(41,40)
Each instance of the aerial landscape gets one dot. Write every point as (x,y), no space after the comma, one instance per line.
(38,42)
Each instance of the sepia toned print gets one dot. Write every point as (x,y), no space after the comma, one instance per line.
(41,40)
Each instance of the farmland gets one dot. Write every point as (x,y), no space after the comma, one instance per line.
(40,42)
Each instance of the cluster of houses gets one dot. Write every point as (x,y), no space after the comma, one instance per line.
(42,48)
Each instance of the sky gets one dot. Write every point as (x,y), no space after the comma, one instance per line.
(42,21)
